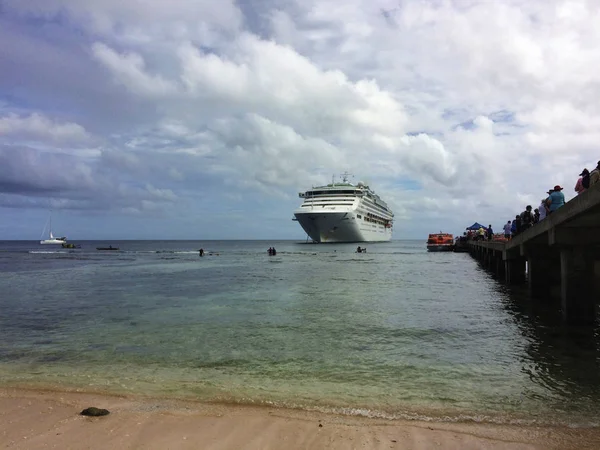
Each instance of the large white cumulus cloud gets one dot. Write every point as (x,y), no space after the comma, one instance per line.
(452,110)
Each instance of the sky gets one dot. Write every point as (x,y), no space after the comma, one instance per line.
(203,119)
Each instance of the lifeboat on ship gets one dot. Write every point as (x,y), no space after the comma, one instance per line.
(440,242)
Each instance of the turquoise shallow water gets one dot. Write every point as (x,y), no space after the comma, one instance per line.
(396,332)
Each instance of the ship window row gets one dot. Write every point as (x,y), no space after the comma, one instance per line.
(344,192)
(375,200)
(379,222)
(314,200)
(324,205)
(384,215)
(376,205)
(331,195)
(377,210)
(325,200)
(373,218)
(329,202)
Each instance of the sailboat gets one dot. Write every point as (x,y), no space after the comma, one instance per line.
(51,239)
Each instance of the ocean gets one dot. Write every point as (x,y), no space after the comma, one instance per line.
(395,332)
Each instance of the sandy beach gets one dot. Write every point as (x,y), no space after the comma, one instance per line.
(42,419)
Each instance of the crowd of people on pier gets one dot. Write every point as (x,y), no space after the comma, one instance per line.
(554,200)
(480,234)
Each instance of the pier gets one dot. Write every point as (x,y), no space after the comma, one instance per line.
(557,257)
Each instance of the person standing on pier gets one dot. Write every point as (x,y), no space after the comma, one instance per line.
(543,209)
(517,225)
(595,175)
(481,234)
(526,218)
(583,182)
(556,199)
(507,229)
(490,232)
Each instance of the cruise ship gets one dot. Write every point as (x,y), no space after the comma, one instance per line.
(344,212)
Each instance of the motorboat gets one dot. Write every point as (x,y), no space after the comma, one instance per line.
(440,242)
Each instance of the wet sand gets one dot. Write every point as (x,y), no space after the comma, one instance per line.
(42,419)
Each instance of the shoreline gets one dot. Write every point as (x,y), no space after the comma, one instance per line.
(34,418)
(408,414)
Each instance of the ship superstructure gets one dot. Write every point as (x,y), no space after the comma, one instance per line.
(344,212)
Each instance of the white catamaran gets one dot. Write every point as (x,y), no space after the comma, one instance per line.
(344,212)
(51,239)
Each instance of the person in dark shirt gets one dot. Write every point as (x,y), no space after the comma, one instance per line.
(490,232)
(526,218)
(517,223)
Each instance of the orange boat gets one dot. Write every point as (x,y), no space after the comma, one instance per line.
(440,242)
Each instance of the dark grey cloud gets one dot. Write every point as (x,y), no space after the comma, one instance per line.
(50,68)
(27,171)
(258,14)
(30,172)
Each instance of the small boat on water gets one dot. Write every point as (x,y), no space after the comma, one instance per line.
(54,240)
(107,248)
(65,245)
(51,238)
(440,242)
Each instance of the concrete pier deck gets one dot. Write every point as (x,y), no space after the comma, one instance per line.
(559,254)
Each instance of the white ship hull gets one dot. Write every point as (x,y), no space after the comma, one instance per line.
(341,227)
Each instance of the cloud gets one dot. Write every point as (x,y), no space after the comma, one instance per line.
(69,182)
(477,106)
(140,21)
(40,128)
(129,70)
(26,171)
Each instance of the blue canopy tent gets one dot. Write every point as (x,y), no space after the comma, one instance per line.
(476,226)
